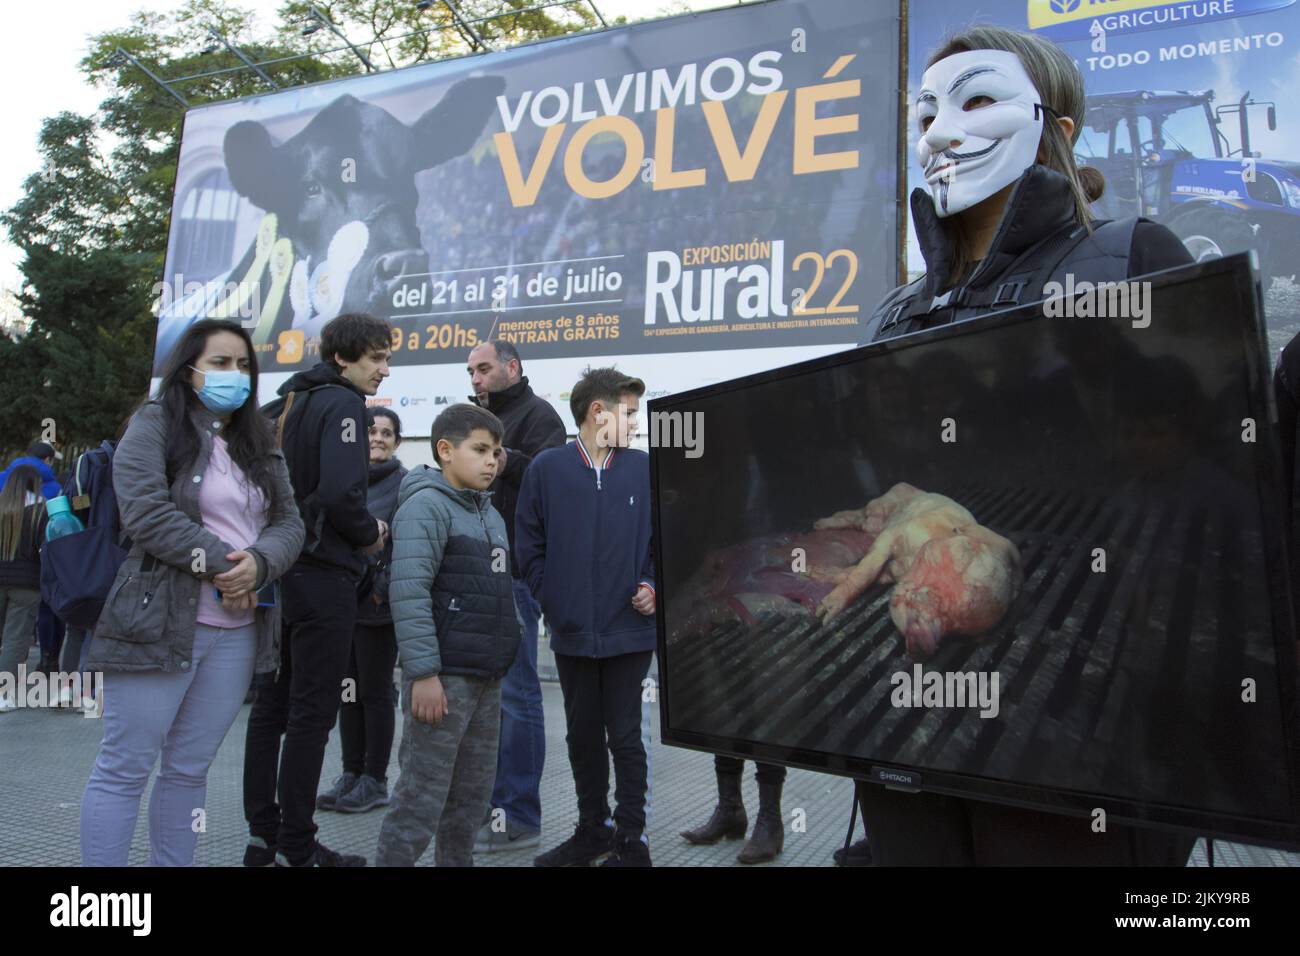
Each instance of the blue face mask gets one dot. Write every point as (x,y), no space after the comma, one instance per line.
(224,392)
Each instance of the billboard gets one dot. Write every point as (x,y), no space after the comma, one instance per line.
(1189,119)
(1038,560)
(690,198)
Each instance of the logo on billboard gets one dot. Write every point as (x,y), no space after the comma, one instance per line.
(291,343)
(1078,19)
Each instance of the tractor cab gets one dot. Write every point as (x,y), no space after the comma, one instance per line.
(1165,156)
(1136,138)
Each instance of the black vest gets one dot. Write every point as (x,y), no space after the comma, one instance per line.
(1038,241)
(474,610)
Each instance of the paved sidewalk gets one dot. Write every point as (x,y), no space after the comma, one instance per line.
(46,756)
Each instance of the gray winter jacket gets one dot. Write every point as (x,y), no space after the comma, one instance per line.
(149,619)
(450,590)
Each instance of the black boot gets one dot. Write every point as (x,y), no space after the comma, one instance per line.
(728,818)
(768,838)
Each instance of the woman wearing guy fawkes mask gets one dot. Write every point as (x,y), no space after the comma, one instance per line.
(1006,208)
(1005,211)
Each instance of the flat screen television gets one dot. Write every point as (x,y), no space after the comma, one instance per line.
(1031,558)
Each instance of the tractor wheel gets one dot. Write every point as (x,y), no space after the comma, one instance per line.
(1210,233)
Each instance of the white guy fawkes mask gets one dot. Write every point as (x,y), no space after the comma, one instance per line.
(969,154)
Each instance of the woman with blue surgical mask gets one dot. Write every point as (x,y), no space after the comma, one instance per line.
(1003,211)
(204,496)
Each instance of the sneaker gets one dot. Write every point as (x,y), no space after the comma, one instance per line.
(321,855)
(859,854)
(65,697)
(366,795)
(512,838)
(330,798)
(588,845)
(629,850)
(7,706)
(259,852)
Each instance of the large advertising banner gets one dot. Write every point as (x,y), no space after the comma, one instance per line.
(1191,119)
(691,199)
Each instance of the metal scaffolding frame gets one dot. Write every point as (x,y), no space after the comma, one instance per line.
(327,23)
(465,24)
(219,38)
(119,56)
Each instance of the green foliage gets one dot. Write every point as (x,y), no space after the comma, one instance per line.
(400,28)
(92,225)
(85,361)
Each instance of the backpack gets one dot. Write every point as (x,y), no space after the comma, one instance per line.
(278,410)
(77,571)
(1100,256)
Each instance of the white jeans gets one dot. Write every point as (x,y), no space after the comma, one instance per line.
(181,717)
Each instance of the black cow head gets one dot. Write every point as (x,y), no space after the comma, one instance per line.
(355,161)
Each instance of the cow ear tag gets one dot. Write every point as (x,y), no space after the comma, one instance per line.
(329,282)
(299,297)
(267,230)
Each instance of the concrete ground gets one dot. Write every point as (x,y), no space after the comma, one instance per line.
(46,756)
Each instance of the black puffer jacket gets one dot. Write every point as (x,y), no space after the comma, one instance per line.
(531,426)
(381,499)
(1038,229)
(327,453)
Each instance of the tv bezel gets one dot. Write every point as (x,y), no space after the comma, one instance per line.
(1274,511)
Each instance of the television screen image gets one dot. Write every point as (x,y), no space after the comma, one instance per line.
(1033,558)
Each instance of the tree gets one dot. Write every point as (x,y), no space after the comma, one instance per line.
(91,337)
(93,225)
(403,33)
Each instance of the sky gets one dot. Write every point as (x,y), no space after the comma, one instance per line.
(41,46)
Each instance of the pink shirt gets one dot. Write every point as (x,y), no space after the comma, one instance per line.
(234,510)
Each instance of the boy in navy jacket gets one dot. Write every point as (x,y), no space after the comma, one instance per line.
(582,542)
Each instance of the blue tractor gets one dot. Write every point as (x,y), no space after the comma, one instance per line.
(1165,156)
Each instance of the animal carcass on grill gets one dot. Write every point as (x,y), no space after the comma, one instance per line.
(786,574)
(954,576)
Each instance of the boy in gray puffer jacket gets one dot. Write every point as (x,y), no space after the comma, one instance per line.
(457,634)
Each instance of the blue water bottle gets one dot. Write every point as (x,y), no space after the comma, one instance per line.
(62,521)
